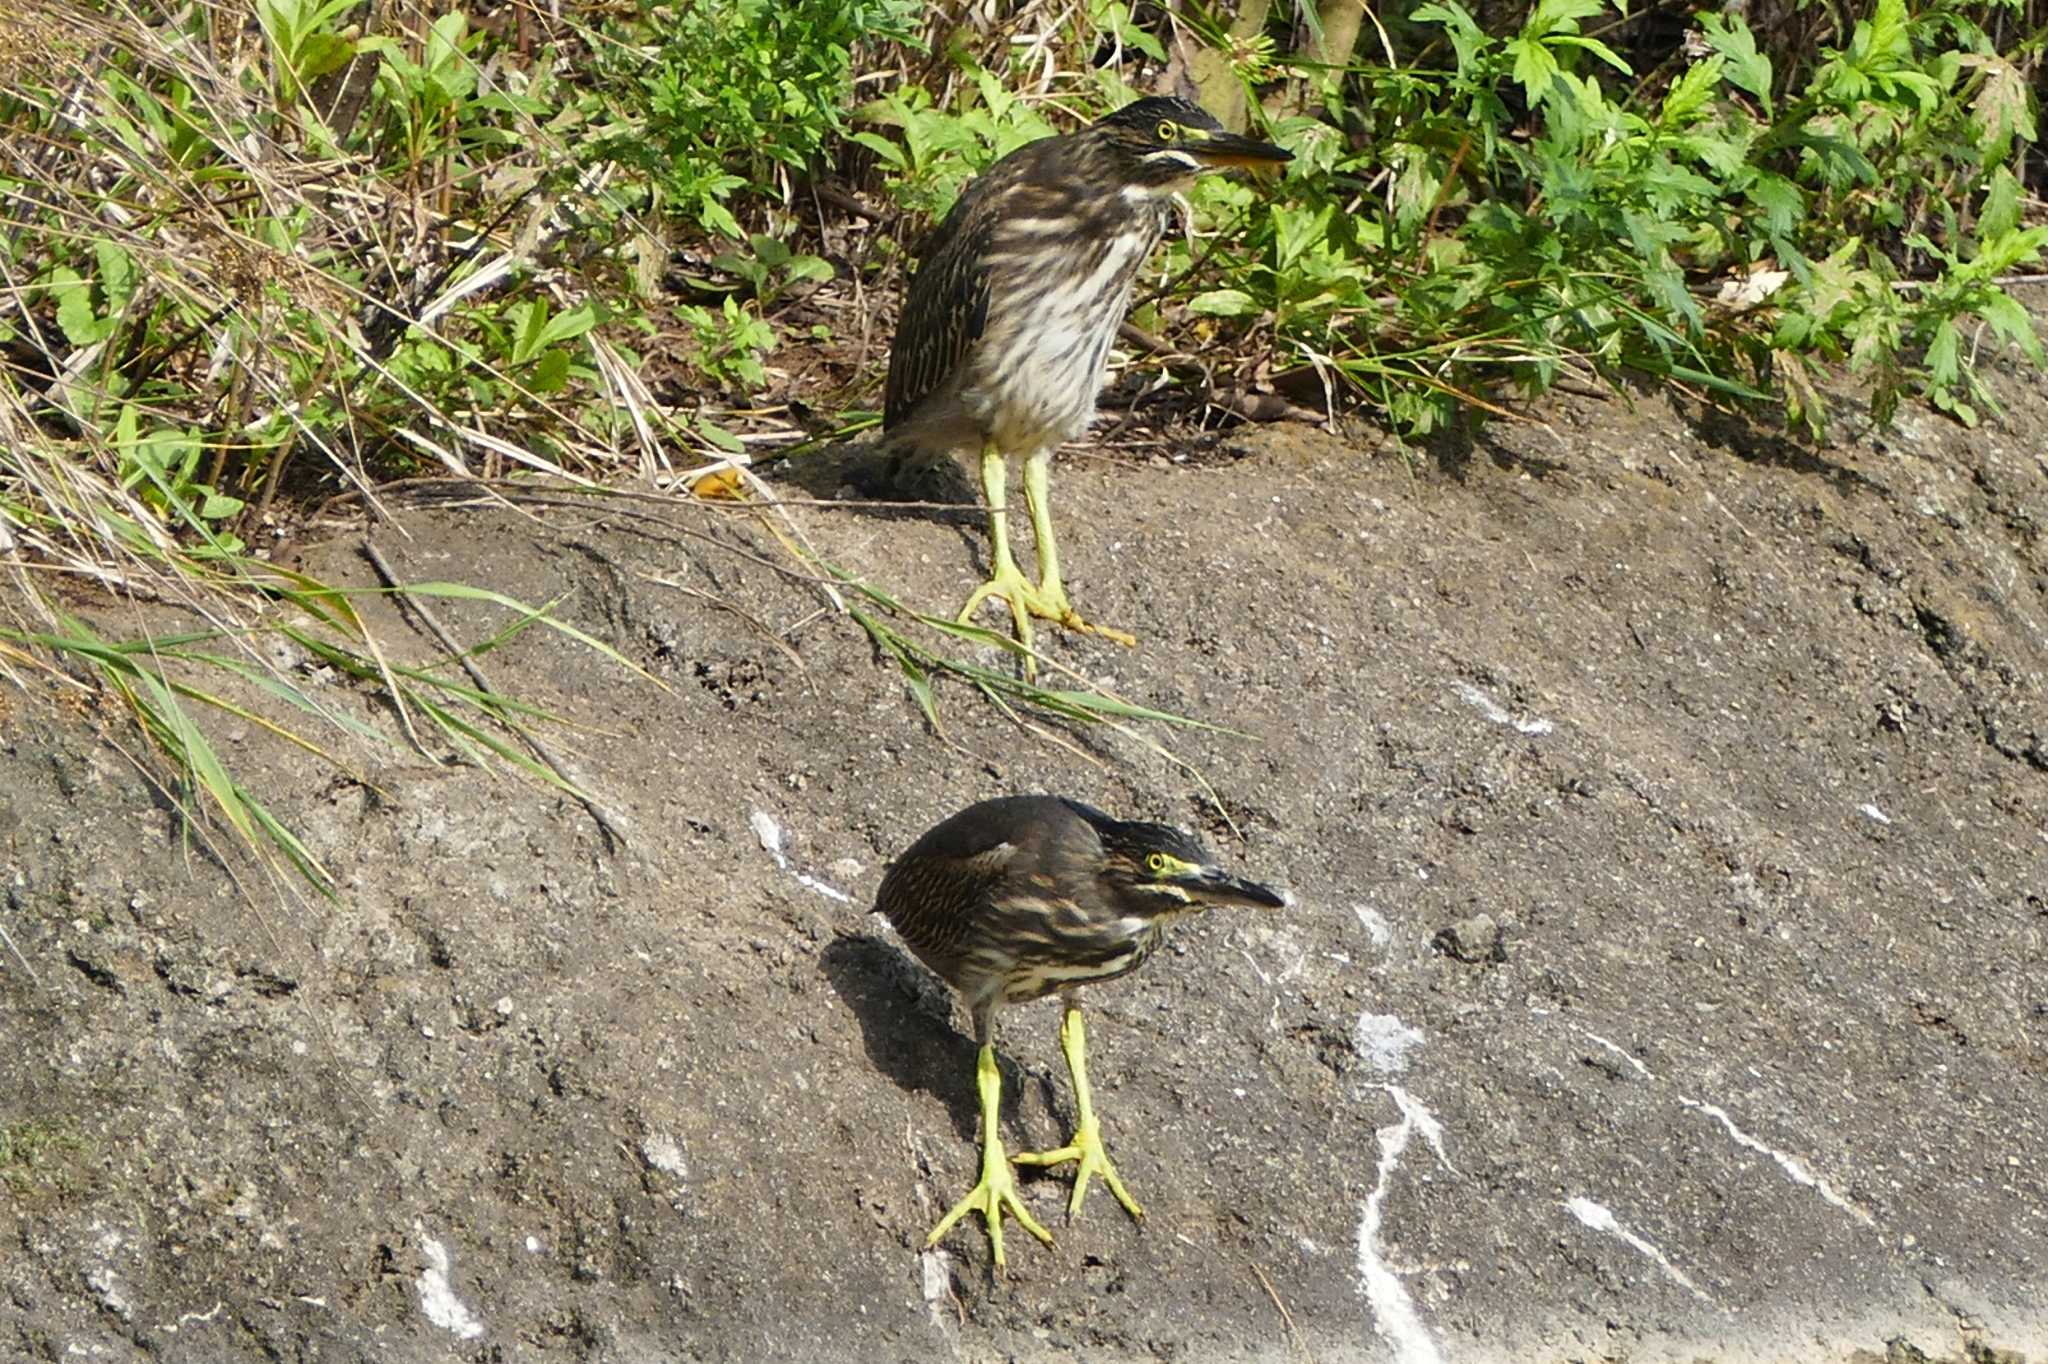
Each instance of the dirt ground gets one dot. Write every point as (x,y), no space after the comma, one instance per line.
(1667,805)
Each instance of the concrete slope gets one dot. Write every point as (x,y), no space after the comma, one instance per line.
(1668,811)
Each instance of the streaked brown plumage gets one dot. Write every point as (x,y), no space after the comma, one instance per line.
(1017,898)
(1009,318)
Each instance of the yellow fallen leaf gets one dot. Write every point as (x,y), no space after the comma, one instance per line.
(720,485)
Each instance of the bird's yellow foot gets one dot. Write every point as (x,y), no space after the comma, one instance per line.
(1085,1150)
(1025,600)
(998,1188)
(1090,1159)
(996,1192)
(1015,590)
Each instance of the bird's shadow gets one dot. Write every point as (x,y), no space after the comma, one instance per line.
(876,481)
(906,1022)
(873,482)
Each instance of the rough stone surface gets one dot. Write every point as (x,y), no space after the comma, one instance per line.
(1475,939)
(1746,744)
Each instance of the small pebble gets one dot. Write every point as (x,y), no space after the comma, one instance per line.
(1476,939)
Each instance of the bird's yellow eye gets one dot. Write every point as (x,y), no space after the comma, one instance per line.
(1167,130)
(1156,863)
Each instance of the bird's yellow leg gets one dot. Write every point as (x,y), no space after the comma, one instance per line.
(1005,579)
(998,1187)
(1052,600)
(1085,1149)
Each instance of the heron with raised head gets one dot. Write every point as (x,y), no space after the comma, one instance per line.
(1009,317)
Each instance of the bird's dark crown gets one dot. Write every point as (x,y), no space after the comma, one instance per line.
(1138,854)
(1158,119)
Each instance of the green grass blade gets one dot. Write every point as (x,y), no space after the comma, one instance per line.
(464,592)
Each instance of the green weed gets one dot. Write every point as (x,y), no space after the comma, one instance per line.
(1543,212)
(36,1154)
(735,95)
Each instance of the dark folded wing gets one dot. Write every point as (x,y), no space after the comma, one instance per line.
(932,899)
(947,307)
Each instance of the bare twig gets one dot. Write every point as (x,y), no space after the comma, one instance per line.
(1293,1331)
(377,654)
(30,970)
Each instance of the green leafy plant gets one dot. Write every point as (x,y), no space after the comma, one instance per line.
(737,92)
(937,151)
(304,44)
(769,267)
(1698,236)
(535,353)
(89,311)
(728,343)
(164,464)
(427,95)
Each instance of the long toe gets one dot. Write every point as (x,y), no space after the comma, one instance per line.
(1072,621)
(1090,1159)
(1010,592)
(1015,591)
(1052,603)
(996,1194)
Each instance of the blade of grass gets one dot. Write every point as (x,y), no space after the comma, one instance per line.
(1094,704)
(465,592)
(153,699)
